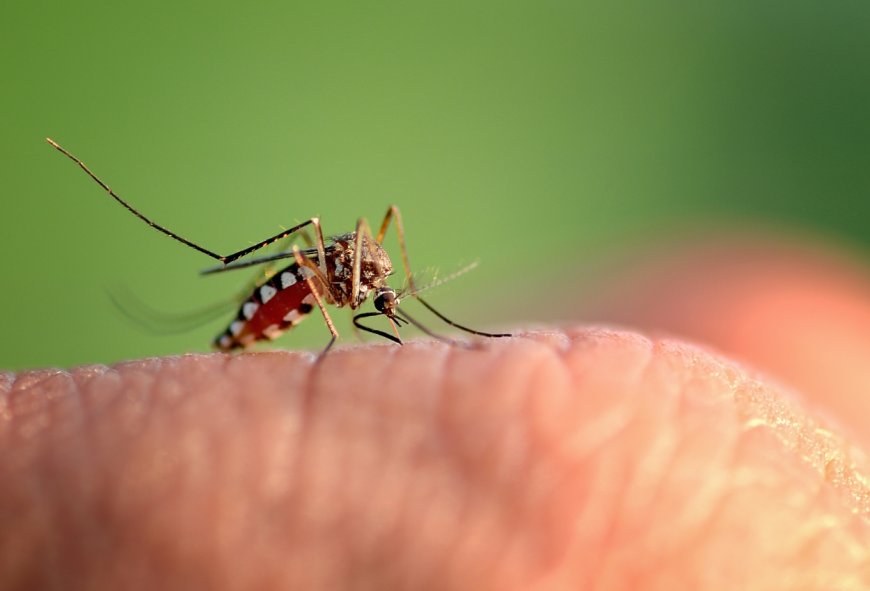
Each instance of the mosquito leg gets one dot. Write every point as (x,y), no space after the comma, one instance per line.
(306,238)
(362,231)
(304,262)
(321,251)
(393,212)
(224,259)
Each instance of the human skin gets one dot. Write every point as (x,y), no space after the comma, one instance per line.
(585,458)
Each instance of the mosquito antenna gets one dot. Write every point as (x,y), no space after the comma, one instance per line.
(407,318)
(380,333)
(416,294)
(407,290)
(130,208)
(457,325)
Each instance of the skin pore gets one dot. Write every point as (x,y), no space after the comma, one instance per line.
(584,458)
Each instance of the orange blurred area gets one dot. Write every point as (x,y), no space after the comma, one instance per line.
(798,312)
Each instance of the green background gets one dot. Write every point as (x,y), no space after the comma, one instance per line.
(533,136)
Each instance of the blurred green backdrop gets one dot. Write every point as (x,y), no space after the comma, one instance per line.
(533,136)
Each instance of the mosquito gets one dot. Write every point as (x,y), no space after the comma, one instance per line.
(341,271)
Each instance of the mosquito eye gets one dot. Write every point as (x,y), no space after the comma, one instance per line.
(379,303)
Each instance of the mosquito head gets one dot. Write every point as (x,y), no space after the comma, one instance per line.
(386,301)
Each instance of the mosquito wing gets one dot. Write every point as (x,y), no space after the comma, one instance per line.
(162,322)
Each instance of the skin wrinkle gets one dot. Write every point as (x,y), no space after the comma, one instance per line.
(694,531)
(89,381)
(609,472)
(7,380)
(550,537)
(669,453)
(470,510)
(512,445)
(576,466)
(307,422)
(575,442)
(143,470)
(148,488)
(719,491)
(27,404)
(553,479)
(614,565)
(59,472)
(287,369)
(364,431)
(435,489)
(296,498)
(546,549)
(424,447)
(427,449)
(230,467)
(645,485)
(442,429)
(508,450)
(251,412)
(322,440)
(434,486)
(64,424)
(220,443)
(664,408)
(85,432)
(724,443)
(773,427)
(536,551)
(360,430)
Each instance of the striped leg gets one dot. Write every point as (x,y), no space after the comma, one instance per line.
(393,212)
(223,259)
(303,261)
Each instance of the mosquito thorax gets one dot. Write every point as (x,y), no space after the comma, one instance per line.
(375,267)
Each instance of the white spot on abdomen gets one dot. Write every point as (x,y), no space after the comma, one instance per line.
(287,279)
(249,309)
(236,327)
(273,331)
(267,292)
